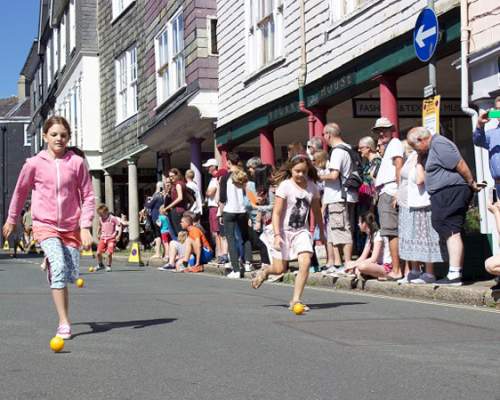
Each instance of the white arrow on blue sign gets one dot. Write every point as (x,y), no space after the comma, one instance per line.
(426,34)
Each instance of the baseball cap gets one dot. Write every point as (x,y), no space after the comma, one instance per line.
(211,162)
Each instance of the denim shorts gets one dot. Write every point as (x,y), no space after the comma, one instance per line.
(63,265)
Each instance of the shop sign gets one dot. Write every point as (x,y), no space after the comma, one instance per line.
(331,88)
(430,113)
(283,111)
(407,108)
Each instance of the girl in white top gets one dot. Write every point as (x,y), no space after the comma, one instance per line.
(288,237)
(375,260)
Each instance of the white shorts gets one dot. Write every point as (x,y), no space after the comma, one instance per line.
(294,243)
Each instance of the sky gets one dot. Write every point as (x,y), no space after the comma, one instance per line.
(18,29)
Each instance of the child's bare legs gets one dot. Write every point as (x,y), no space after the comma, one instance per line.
(277,267)
(99,258)
(188,244)
(61,301)
(372,269)
(157,248)
(301,278)
(110,259)
(492,265)
(165,248)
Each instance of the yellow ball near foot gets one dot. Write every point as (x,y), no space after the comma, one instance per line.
(80,282)
(91,269)
(56,344)
(298,308)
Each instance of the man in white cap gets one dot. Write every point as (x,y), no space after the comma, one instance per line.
(387,185)
(212,195)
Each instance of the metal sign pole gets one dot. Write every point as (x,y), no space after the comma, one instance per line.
(432,62)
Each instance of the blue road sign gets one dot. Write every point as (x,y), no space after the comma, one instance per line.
(426,34)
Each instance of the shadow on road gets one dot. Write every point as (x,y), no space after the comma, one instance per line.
(98,327)
(321,306)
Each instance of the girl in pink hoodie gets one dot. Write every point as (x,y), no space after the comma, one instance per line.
(62,210)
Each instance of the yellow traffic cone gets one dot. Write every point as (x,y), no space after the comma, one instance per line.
(135,254)
(87,253)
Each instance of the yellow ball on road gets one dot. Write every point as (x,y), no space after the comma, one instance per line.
(298,308)
(56,344)
(91,269)
(80,282)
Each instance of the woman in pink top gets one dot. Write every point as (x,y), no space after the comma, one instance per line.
(62,210)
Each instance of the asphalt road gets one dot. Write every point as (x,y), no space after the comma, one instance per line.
(145,334)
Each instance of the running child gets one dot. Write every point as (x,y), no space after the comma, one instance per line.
(110,230)
(288,237)
(62,210)
(164,225)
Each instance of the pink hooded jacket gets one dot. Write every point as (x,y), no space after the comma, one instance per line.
(62,197)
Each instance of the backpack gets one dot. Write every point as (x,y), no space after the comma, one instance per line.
(190,197)
(355,178)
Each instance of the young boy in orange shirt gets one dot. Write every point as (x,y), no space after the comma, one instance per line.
(197,248)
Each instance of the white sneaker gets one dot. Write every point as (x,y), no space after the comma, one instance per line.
(248,267)
(330,270)
(108,269)
(233,275)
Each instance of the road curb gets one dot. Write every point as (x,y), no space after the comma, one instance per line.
(467,295)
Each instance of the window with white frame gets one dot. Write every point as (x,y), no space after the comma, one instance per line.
(126,85)
(341,8)
(55,44)
(119,6)
(72,25)
(48,62)
(265,32)
(212,36)
(169,54)
(62,39)
(27,136)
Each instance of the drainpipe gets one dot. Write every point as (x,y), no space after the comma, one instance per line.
(464,70)
(464,55)
(311,119)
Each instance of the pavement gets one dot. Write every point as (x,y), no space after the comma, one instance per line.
(146,334)
(472,293)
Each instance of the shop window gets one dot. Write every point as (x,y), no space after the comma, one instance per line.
(169,55)
(265,32)
(126,85)
(340,8)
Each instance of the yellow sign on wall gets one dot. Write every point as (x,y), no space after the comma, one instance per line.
(430,113)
